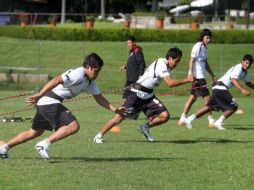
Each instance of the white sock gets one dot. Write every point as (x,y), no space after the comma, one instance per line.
(99,135)
(210,119)
(45,142)
(6,146)
(192,117)
(221,119)
(183,115)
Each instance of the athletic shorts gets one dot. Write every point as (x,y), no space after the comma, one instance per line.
(53,116)
(126,90)
(197,89)
(134,105)
(222,100)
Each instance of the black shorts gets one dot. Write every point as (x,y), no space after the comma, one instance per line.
(53,116)
(222,100)
(126,90)
(197,89)
(135,105)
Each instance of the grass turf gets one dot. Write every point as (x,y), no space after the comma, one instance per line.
(200,158)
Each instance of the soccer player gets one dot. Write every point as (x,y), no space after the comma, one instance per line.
(142,98)
(198,65)
(221,98)
(135,65)
(50,112)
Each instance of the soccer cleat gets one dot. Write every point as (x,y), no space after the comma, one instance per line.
(143,129)
(188,123)
(43,151)
(98,140)
(219,126)
(3,153)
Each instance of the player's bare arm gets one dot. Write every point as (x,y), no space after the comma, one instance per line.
(176,82)
(105,103)
(239,87)
(50,85)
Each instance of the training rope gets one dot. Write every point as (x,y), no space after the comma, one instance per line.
(89,96)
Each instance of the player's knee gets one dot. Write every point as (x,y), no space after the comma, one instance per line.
(164,116)
(74,127)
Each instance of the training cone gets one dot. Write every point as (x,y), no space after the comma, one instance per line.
(239,111)
(116,129)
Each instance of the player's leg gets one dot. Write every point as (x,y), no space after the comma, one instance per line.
(209,117)
(192,98)
(18,139)
(107,126)
(158,114)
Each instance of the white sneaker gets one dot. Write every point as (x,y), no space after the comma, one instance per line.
(143,129)
(43,151)
(219,126)
(188,123)
(98,140)
(3,152)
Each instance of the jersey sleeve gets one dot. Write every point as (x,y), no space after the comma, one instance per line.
(93,89)
(236,72)
(247,78)
(72,77)
(195,50)
(161,69)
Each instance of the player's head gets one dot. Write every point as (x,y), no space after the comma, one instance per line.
(205,35)
(247,61)
(173,57)
(131,42)
(92,64)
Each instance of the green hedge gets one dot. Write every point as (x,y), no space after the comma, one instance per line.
(156,35)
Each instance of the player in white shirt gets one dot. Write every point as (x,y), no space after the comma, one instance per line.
(198,65)
(142,98)
(221,98)
(52,115)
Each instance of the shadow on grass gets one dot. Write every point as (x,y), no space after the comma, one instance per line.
(55,160)
(241,127)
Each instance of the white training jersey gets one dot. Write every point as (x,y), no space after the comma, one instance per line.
(235,72)
(199,52)
(74,82)
(153,76)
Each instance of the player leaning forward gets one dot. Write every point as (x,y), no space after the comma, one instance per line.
(142,98)
(221,98)
(52,115)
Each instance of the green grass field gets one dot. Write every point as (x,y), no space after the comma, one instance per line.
(200,158)
(180,158)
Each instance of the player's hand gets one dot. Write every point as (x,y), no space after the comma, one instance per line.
(120,110)
(214,78)
(123,68)
(190,78)
(245,92)
(30,100)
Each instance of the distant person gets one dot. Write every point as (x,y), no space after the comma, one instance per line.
(135,65)
(221,98)
(50,112)
(142,98)
(198,65)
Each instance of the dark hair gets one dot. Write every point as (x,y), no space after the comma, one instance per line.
(204,32)
(248,57)
(132,38)
(93,60)
(174,53)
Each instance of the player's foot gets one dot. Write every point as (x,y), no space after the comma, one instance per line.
(143,129)
(4,152)
(211,125)
(181,122)
(43,151)
(219,126)
(98,140)
(188,123)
